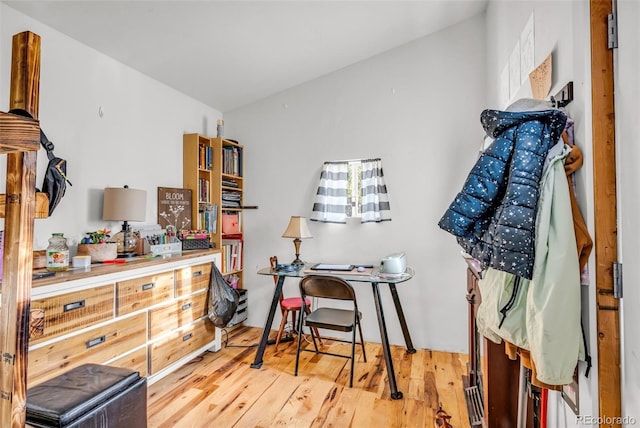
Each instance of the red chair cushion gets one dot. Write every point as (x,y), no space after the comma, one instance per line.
(293,303)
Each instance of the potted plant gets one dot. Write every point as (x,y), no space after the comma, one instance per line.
(96,244)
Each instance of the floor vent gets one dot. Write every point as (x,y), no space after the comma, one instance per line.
(474,405)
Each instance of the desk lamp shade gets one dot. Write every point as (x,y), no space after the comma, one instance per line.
(298,230)
(124,204)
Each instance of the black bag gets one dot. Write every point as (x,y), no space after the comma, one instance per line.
(223,299)
(55,179)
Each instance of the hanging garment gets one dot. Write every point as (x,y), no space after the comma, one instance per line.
(542,315)
(493,217)
(584,243)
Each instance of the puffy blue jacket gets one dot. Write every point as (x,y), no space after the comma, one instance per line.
(494,215)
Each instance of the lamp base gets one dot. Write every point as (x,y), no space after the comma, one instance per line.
(297,262)
(127,242)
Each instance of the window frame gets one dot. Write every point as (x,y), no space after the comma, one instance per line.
(354,186)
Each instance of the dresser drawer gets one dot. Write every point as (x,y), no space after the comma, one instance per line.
(140,293)
(97,345)
(171,348)
(192,279)
(136,360)
(180,312)
(54,316)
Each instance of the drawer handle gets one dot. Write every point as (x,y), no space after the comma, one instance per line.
(186,306)
(187,337)
(148,286)
(96,341)
(197,274)
(75,305)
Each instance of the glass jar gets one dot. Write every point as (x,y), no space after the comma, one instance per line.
(57,253)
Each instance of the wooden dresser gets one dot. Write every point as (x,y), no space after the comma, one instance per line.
(148,315)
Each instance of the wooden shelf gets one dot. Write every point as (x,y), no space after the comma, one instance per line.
(193,176)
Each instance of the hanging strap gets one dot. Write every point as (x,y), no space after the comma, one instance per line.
(587,357)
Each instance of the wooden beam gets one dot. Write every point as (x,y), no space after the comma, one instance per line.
(41,209)
(18,239)
(604,188)
(18,134)
(25,73)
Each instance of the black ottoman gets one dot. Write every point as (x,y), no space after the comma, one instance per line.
(90,395)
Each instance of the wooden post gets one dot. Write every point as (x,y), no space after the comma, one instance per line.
(25,73)
(18,239)
(604,189)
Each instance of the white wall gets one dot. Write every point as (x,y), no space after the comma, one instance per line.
(561,28)
(628,155)
(417,107)
(137,142)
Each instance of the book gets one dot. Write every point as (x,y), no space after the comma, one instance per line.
(232,254)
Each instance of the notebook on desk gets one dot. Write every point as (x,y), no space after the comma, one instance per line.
(337,267)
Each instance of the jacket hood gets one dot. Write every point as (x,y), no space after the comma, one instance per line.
(495,122)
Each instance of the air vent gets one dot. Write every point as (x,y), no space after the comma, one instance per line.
(474,405)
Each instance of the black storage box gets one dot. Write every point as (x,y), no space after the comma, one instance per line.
(196,244)
(90,395)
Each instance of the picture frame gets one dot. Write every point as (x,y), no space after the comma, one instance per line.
(174,208)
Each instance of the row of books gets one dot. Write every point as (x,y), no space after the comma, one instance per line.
(204,189)
(205,157)
(231,199)
(232,161)
(230,183)
(208,217)
(231,255)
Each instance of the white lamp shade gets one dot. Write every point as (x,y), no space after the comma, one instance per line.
(297,228)
(124,204)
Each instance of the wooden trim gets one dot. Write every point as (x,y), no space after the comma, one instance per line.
(604,188)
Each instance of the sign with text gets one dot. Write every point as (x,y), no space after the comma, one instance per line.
(174,208)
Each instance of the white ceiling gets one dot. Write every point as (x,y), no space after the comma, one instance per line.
(228,54)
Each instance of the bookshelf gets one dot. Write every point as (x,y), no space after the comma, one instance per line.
(212,169)
(228,170)
(198,175)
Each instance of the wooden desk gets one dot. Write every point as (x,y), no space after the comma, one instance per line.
(374,277)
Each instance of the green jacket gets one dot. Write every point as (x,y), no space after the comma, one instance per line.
(541,315)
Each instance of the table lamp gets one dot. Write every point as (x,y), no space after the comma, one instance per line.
(124,204)
(298,230)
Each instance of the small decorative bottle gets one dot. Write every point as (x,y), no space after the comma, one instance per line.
(220,128)
(57,253)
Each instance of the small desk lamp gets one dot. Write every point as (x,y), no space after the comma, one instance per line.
(298,230)
(124,204)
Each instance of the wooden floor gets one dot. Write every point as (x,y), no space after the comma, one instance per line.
(220,389)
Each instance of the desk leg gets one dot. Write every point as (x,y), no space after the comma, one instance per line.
(403,322)
(386,350)
(257,363)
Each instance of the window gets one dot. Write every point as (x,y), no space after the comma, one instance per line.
(351,189)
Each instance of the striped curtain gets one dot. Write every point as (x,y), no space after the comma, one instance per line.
(374,199)
(331,198)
